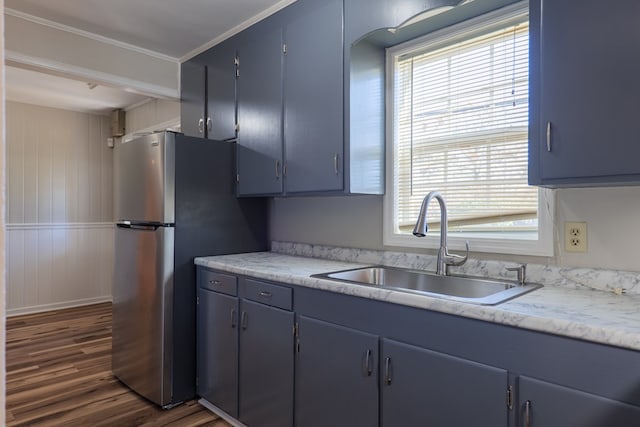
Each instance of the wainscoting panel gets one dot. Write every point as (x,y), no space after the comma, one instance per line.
(59,168)
(51,266)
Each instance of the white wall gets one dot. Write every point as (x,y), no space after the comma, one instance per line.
(2,213)
(59,208)
(151,114)
(612,216)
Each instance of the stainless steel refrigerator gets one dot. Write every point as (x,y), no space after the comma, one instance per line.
(174,200)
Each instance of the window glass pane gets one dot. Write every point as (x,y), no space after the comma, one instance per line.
(460,127)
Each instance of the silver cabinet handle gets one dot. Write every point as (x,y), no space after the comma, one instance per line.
(387,370)
(243,321)
(265,294)
(527,413)
(549,136)
(201,125)
(277,169)
(209,124)
(335,163)
(368,367)
(233,318)
(214,282)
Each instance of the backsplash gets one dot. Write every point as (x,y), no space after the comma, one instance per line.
(618,282)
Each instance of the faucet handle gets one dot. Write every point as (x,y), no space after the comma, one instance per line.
(521,271)
(457,260)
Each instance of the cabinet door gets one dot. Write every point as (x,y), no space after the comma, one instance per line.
(545,404)
(336,376)
(260,112)
(221,91)
(192,98)
(217,350)
(266,365)
(425,388)
(588,92)
(313,97)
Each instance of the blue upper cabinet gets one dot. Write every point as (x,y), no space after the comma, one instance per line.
(221,91)
(294,136)
(584,93)
(313,97)
(208,93)
(193,97)
(259,155)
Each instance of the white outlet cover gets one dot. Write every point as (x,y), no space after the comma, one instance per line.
(575,237)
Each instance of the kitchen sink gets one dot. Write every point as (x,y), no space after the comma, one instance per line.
(458,288)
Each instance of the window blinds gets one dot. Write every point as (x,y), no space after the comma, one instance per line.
(461,117)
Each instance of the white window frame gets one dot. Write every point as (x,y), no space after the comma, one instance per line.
(517,243)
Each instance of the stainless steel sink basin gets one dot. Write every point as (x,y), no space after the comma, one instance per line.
(458,288)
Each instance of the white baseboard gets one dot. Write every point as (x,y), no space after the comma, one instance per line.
(213,408)
(57,306)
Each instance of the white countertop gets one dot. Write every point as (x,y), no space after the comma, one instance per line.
(592,315)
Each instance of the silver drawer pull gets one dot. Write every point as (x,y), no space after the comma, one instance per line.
(265,294)
(387,370)
(243,321)
(527,413)
(233,317)
(367,363)
(215,282)
(549,136)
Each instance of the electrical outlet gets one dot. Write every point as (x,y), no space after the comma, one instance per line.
(575,236)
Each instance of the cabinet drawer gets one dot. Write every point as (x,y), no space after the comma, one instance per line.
(267,293)
(218,282)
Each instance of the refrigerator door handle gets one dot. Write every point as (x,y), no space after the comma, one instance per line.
(141,226)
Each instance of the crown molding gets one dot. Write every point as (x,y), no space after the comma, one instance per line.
(87,34)
(235,30)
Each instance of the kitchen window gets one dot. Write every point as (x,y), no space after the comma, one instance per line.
(457,120)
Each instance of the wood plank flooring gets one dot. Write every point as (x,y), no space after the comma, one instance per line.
(59,374)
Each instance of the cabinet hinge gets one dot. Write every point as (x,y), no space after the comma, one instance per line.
(238,178)
(197,381)
(284,48)
(237,127)
(510,398)
(198,300)
(236,62)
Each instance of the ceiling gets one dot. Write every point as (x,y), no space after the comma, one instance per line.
(171,27)
(174,28)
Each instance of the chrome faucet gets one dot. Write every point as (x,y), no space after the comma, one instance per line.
(445,259)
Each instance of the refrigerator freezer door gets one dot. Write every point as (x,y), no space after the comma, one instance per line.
(142,310)
(145,179)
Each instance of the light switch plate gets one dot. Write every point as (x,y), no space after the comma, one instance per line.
(575,236)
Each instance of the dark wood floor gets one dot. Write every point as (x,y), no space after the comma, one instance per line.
(59,374)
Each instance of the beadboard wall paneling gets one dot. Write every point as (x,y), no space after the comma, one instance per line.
(59,168)
(52,266)
(59,235)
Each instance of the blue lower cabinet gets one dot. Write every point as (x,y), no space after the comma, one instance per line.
(275,355)
(217,350)
(266,365)
(425,388)
(336,375)
(544,404)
